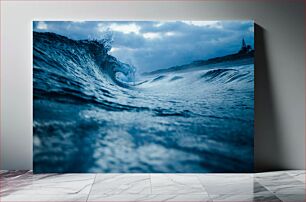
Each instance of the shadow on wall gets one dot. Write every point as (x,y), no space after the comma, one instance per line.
(267,149)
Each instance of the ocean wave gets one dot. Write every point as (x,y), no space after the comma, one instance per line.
(225,75)
(91,115)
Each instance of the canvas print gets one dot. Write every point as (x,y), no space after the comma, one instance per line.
(143,96)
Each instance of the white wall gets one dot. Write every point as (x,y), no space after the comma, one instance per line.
(280,72)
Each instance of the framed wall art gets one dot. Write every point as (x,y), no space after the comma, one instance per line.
(143,96)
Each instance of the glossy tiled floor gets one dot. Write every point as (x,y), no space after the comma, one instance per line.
(273,186)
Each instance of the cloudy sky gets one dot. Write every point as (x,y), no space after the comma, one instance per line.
(151,45)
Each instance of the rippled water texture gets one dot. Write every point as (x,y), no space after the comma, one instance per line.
(87,121)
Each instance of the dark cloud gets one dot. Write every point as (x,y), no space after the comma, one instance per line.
(150,45)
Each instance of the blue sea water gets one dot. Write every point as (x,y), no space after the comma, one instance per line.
(91,116)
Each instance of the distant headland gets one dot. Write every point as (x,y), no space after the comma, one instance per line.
(245,52)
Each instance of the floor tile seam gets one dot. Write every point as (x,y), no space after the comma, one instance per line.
(91,187)
(151,184)
(208,194)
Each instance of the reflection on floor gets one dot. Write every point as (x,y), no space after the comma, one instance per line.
(273,186)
